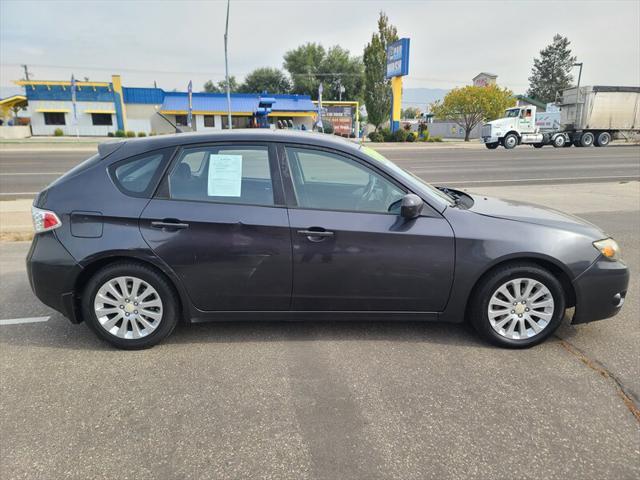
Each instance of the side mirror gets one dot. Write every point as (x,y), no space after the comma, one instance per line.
(411,206)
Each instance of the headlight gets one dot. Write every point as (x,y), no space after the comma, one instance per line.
(608,248)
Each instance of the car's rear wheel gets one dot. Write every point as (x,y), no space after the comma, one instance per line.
(517,306)
(130,305)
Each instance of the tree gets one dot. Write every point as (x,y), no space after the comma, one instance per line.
(340,69)
(221,86)
(468,106)
(377,89)
(310,64)
(410,112)
(266,79)
(551,72)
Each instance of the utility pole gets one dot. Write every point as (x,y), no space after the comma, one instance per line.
(26,72)
(226,68)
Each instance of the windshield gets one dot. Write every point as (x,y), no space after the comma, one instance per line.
(514,112)
(373,154)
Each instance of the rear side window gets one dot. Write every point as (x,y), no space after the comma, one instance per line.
(223,174)
(138,176)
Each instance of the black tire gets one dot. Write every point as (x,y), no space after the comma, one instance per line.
(586,139)
(492,146)
(537,145)
(560,141)
(478,305)
(168,296)
(510,141)
(603,139)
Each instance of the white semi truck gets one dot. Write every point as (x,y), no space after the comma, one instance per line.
(588,116)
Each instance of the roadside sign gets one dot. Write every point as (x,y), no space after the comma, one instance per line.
(398,58)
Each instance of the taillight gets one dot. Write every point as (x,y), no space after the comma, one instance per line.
(44,220)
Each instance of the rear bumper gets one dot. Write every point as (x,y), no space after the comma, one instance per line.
(600,291)
(52,273)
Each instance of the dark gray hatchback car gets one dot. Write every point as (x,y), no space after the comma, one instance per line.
(257,224)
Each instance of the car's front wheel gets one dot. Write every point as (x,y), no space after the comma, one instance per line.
(130,305)
(517,306)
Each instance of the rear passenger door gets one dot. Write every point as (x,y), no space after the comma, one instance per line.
(219,221)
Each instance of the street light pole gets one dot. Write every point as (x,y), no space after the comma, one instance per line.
(226,68)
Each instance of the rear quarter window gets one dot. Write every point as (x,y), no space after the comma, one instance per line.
(138,176)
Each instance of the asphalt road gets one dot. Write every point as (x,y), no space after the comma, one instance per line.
(22,173)
(320,400)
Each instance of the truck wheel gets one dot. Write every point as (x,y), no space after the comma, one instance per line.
(603,139)
(586,140)
(537,145)
(492,146)
(560,142)
(510,141)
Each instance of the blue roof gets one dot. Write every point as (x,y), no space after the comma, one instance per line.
(143,95)
(240,102)
(63,93)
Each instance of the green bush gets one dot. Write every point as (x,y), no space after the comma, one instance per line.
(110,134)
(142,134)
(58,132)
(435,139)
(400,135)
(119,133)
(386,135)
(424,135)
(131,133)
(152,134)
(376,137)
(412,137)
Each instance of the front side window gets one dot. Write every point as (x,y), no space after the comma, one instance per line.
(223,174)
(54,118)
(136,176)
(327,181)
(101,119)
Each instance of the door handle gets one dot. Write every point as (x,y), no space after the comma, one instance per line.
(169,224)
(316,235)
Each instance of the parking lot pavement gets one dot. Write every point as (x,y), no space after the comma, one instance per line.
(319,400)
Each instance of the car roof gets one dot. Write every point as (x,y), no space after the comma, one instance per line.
(137,146)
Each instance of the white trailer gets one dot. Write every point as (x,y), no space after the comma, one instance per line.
(589,116)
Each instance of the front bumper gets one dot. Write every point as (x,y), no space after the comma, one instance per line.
(52,273)
(490,139)
(600,291)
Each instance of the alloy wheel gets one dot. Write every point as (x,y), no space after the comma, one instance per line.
(128,307)
(520,308)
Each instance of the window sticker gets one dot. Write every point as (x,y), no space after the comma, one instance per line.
(225,176)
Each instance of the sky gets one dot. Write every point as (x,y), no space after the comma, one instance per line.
(172,41)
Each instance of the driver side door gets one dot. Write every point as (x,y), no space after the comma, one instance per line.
(351,249)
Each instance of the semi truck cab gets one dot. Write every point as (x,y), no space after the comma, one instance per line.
(520,125)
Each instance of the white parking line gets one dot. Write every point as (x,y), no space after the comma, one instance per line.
(17,321)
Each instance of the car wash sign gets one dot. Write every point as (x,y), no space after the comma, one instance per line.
(398,58)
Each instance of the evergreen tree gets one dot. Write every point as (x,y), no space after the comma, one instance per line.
(551,72)
(377,89)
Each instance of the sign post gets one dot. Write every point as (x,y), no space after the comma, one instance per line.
(397,67)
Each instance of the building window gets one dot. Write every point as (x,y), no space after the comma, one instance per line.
(236,122)
(54,118)
(181,120)
(101,119)
(209,121)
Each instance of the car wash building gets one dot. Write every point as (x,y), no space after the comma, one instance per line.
(101,108)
